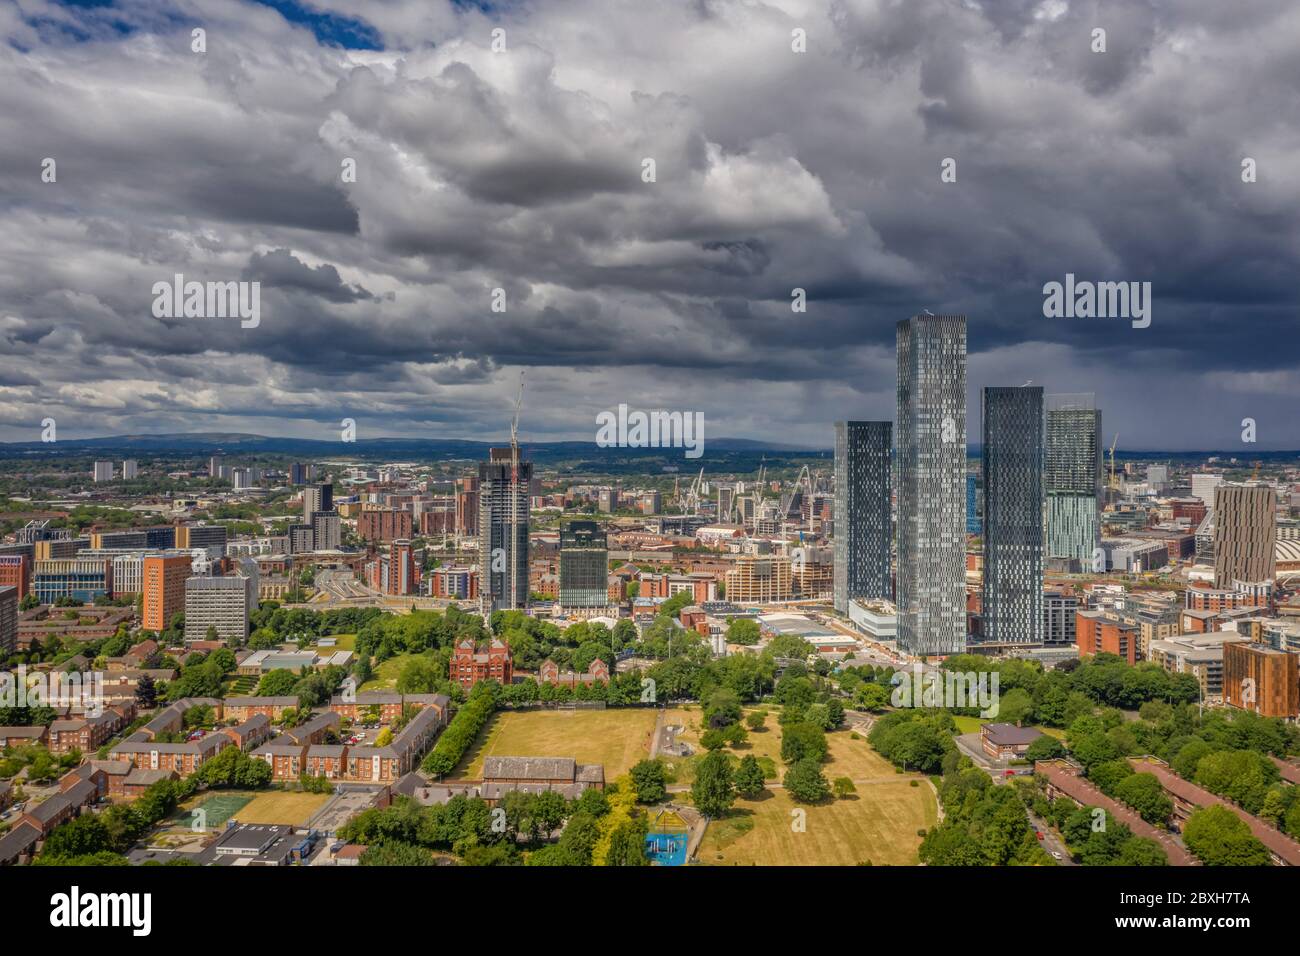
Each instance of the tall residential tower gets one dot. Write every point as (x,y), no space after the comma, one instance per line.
(931,456)
(1012,450)
(862,523)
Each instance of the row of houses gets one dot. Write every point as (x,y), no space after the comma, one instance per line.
(64,735)
(502,775)
(79,789)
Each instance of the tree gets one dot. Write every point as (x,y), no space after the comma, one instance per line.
(277,683)
(722,708)
(1221,838)
(749,777)
(803,740)
(648,781)
(713,739)
(1143,792)
(743,630)
(843,787)
(871,696)
(756,720)
(805,782)
(713,791)
(146,691)
(1045,747)
(385,737)
(1142,851)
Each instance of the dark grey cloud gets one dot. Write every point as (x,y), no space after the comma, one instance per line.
(522,171)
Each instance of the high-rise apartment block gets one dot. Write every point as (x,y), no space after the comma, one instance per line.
(862,512)
(1012,443)
(103,471)
(1072,480)
(931,467)
(1245,532)
(130,469)
(504,482)
(163,587)
(584,564)
(221,603)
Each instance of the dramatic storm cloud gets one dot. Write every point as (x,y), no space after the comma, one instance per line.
(519,167)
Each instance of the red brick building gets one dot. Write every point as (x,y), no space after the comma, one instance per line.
(1095,634)
(384,525)
(550,673)
(15,572)
(469,665)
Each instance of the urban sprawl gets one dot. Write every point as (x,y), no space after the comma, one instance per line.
(895,653)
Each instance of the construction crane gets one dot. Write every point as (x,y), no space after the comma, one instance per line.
(1113,486)
(691,503)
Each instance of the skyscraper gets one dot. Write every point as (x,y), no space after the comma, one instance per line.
(316,498)
(1012,449)
(862,523)
(584,566)
(163,584)
(1245,530)
(1072,479)
(931,462)
(503,530)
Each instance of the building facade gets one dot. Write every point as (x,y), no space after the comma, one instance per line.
(584,565)
(862,512)
(1072,479)
(931,468)
(1245,533)
(1012,443)
(503,531)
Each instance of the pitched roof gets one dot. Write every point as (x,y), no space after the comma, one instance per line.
(529,768)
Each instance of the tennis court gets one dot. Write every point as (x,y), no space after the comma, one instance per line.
(217,809)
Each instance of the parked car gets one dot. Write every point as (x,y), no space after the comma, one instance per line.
(1039,833)
(1057,854)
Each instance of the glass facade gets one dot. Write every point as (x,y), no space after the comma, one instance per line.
(1012,448)
(1072,479)
(584,564)
(931,463)
(862,516)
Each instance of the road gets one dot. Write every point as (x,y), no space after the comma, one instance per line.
(1051,843)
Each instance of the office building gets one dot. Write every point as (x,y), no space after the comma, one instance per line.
(1261,679)
(1060,608)
(1203,487)
(931,461)
(758,579)
(163,589)
(103,471)
(316,498)
(584,565)
(326,530)
(75,578)
(223,603)
(504,481)
(862,513)
(400,575)
(1012,443)
(1072,471)
(211,537)
(1245,531)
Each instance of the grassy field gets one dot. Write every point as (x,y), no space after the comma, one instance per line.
(282,806)
(879,823)
(615,738)
(344,642)
(251,806)
(969,725)
(386,673)
(764,744)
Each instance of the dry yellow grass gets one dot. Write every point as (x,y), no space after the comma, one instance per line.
(282,806)
(616,738)
(879,823)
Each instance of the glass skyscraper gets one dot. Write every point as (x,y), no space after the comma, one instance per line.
(1072,479)
(584,565)
(862,521)
(1012,444)
(503,531)
(931,462)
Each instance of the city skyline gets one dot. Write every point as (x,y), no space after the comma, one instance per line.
(376,296)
